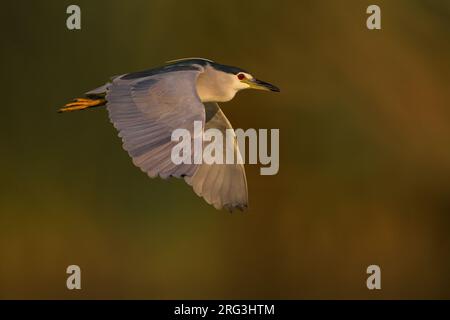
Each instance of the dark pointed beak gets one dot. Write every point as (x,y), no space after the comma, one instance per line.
(262,85)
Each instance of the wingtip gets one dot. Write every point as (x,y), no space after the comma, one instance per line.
(233,207)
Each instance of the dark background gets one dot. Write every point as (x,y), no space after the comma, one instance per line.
(364,175)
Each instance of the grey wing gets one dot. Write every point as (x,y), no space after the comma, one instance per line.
(146,110)
(222,185)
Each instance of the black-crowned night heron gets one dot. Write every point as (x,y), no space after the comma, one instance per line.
(147,106)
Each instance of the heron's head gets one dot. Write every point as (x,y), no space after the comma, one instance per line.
(244,80)
(241,79)
(220,83)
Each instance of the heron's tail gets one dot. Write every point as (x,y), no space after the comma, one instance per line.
(83,104)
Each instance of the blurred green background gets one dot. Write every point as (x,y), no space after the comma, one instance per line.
(364,177)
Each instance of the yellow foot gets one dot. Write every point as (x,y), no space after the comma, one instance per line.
(81,104)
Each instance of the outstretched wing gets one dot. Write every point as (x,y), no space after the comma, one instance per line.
(146,107)
(222,185)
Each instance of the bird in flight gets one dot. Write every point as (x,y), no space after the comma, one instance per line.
(147,106)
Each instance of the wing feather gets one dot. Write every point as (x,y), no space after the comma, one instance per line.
(221,185)
(146,110)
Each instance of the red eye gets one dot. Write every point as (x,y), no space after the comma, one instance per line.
(241,76)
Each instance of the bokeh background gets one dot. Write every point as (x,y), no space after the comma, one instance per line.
(364,119)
